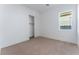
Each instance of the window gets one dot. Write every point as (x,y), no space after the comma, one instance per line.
(65,19)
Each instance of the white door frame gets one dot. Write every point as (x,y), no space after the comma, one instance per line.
(34,25)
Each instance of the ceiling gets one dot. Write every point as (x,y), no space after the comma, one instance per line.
(39,7)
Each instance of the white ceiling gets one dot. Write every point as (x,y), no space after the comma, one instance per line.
(39,7)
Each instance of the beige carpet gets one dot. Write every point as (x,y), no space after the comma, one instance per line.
(41,46)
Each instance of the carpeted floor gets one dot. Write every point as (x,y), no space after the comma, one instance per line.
(41,46)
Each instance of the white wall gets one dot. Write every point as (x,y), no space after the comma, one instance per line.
(78,23)
(0,51)
(14,22)
(49,24)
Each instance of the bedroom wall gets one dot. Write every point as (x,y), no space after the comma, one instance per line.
(78,24)
(15,24)
(49,24)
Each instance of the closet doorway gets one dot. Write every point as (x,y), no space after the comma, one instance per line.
(31,26)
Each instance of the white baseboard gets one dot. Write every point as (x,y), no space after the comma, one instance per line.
(58,39)
(14,43)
